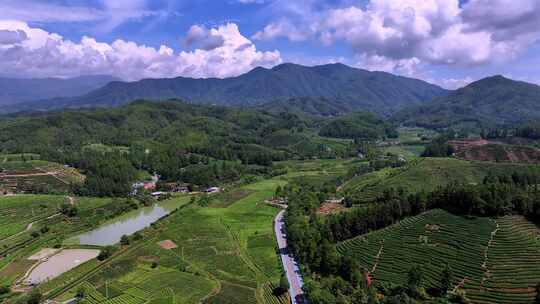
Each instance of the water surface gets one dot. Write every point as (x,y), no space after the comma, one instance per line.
(126,224)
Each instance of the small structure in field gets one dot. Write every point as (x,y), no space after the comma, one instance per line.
(167,245)
(213,190)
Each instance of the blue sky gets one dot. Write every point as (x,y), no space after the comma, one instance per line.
(448,42)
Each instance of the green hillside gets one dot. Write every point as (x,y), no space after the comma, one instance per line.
(491,101)
(426,174)
(492,260)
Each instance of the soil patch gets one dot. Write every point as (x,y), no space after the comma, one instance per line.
(43,253)
(330,208)
(167,245)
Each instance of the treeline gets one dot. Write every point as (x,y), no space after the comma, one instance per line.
(361,125)
(530,130)
(312,238)
(439,147)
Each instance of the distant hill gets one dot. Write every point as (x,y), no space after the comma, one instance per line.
(488,102)
(15,90)
(316,106)
(354,88)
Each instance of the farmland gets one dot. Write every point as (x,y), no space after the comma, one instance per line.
(31,175)
(223,254)
(493,260)
(426,174)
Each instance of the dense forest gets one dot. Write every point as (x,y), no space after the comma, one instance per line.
(201,145)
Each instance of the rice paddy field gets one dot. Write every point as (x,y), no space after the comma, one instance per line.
(493,260)
(426,174)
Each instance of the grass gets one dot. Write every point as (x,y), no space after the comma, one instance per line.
(435,238)
(426,174)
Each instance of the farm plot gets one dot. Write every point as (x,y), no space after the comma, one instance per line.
(427,174)
(493,261)
(37,175)
(512,267)
(18,212)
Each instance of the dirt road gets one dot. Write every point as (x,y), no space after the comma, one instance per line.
(289,264)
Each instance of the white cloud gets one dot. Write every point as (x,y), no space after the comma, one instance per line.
(431,31)
(44,54)
(202,37)
(282,28)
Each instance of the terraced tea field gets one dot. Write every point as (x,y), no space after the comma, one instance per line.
(494,261)
(426,174)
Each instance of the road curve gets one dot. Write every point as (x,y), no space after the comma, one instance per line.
(289,264)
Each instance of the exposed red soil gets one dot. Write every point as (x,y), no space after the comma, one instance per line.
(329,208)
(167,245)
(494,151)
(464,144)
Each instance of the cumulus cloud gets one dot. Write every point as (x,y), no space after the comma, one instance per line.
(12,37)
(48,54)
(201,37)
(398,33)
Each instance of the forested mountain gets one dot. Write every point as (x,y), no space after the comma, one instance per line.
(14,90)
(488,102)
(316,106)
(354,88)
(220,132)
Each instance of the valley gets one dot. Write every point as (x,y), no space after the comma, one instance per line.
(299,198)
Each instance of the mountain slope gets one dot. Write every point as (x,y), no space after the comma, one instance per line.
(491,101)
(315,106)
(13,90)
(359,89)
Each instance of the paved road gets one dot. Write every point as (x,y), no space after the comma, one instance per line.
(289,264)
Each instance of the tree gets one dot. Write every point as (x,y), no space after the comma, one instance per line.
(68,210)
(124,240)
(283,284)
(446,279)
(34,297)
(415,277)
(4,289)
(105,253)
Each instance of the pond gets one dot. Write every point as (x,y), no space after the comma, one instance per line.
(126,224)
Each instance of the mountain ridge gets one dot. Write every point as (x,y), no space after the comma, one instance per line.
(360,89)
(493,100)
(20,90)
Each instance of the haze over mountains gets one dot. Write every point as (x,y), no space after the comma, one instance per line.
(351,88)
(14,90)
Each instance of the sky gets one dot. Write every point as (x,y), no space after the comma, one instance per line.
(446,42)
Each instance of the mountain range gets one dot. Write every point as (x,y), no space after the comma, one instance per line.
(348,87)
(16,90)
(488,102)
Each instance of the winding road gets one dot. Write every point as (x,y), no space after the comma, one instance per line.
(289,264)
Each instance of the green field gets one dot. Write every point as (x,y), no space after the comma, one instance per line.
(493,261)
(225,254)
(426,174)
(37,175)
